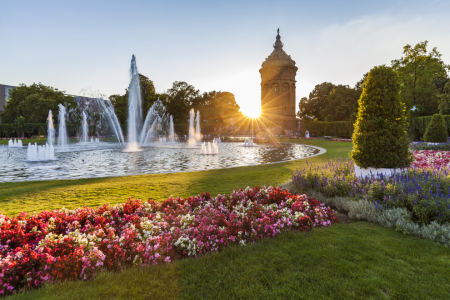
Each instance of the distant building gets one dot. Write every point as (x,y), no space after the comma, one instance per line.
(278,88)
(4,95)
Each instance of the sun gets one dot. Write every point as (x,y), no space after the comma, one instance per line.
(252,113)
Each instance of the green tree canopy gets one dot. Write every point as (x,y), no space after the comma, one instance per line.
(181,98)
(33,103)
(419,71)
(218,108)
(329,102)
(313,106)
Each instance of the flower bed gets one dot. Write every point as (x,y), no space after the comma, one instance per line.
(78,244)
(314,138)
(431,159)
(426,194)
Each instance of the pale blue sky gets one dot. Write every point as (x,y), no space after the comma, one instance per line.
(213,45)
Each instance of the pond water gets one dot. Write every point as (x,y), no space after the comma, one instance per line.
(108,159)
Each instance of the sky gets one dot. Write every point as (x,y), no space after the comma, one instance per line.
(212,45)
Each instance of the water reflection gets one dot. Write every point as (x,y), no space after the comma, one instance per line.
(113,162)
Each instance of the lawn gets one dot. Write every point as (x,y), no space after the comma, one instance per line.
(47,195)
(359,260)
(345,261)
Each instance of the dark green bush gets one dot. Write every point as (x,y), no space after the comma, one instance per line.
(321,128)
(380,138)
(436,131)
(41,131)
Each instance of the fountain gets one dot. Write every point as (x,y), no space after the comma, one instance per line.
(210,148)
(62,132)
(85,129)
(218,140)
(157,123)
(50,129)
(198,134)
(172,131)
(248,142)
(15,143)
(134,108)
(40,153)
(192,142)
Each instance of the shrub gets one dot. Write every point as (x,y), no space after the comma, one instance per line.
(380,139)
(436,131)
(41,131)
(425,194)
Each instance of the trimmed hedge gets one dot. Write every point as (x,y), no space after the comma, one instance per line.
(418,126)
(12,130)
(321,128)
(380,139)
(436,131)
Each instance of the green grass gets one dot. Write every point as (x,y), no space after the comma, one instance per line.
(47,195)
(354,261)
(345,261)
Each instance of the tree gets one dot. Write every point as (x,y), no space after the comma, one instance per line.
(380,139)
(33,103)
(444,100)
(313,106)
(418,71)
(436,131)
(181,98)
(217,108)
(120,103)
(341,103)
(148,94)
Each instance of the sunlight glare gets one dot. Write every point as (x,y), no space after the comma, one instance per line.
(251,112)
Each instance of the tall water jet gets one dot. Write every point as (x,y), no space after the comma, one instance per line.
(50,129)
(85,129)
(62,132)
(192,141)
(198,135)
(172,130)
(134,108)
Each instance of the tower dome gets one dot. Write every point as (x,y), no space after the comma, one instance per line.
(278,87)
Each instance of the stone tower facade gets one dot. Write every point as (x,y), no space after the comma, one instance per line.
(278,88)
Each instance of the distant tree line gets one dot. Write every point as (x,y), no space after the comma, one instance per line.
(424,88)
(31,104)
(217,109)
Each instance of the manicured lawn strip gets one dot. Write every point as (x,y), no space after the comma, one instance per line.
(355,261)
(48,195)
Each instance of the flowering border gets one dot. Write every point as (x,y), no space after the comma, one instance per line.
(78,244)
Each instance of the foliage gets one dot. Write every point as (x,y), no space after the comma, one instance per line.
(182,98)
(41,131)
(13,130)
(436,131)
(319,128)
(313,106)
(33,103)
(444,99)
(418,72)
(216,110)
(329,102)
(425,194)
(77,244)
(380,138)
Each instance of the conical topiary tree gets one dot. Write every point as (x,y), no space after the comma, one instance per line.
(436,131)
(380,138)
